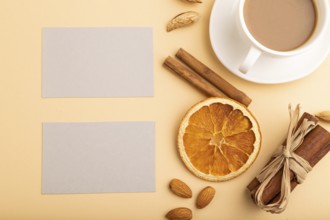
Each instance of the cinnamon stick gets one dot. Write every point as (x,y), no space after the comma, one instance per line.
(314,147)
(212,77)
(192,77)
(254,184)
(318,156)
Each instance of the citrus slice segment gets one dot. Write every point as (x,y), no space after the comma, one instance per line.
(218,139)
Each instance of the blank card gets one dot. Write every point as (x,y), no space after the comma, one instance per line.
(97,62)
(98,157)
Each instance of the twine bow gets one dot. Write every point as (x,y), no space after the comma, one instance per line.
(286,158)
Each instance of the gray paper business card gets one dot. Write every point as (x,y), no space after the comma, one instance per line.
(98,157)
(97,62)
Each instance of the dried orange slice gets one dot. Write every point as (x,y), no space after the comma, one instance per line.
(218,139)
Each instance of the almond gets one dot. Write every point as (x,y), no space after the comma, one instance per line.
(205,197)
(180,188)
(182,20)
(324,116)
(181,213)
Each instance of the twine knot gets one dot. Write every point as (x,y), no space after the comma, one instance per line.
(287,153)
(286,158)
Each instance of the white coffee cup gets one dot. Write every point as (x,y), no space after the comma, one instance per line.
(257,49)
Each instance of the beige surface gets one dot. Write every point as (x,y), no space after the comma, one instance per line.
(23,110)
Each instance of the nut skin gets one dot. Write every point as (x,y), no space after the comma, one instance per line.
(205,197)
(182,20)
(180,213)
(324,116)
(180,188)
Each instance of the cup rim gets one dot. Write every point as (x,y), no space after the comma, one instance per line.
(295,51)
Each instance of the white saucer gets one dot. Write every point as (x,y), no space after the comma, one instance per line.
(231,48)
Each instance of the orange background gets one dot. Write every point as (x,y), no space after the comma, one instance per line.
(23,110)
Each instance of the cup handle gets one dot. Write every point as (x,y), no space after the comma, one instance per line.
(250,59)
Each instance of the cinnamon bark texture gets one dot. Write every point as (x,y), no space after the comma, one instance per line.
(203,78)
(315,146)
(208,74)
(192,77)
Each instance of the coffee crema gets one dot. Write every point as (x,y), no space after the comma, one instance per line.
(281,25)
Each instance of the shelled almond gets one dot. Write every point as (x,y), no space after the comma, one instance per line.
(205,197)
(180,188)
(181,213)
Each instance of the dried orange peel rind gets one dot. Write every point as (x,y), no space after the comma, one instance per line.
(218,139)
